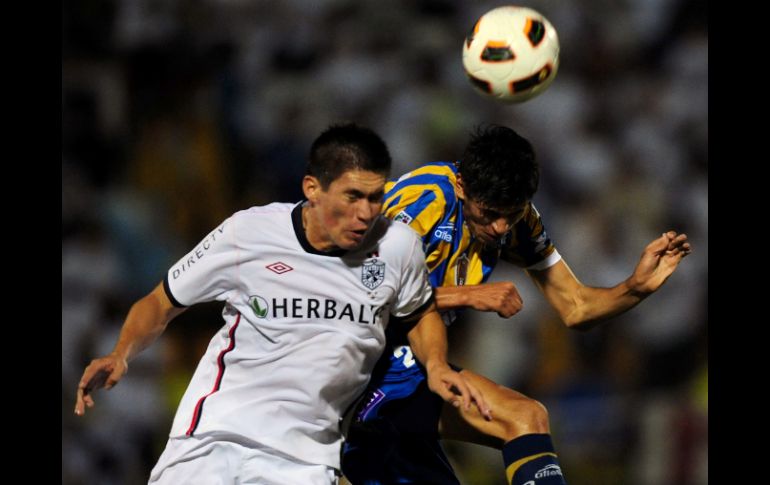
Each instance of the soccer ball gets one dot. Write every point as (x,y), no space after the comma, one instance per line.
(511,54)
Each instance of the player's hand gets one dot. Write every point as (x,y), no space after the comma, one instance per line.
(456,390)
(659,260)
(501,297)
(103,372)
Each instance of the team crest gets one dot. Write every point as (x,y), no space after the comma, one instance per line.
(461,270)
(373,274)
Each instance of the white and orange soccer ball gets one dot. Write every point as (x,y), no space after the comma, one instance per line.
(511,54)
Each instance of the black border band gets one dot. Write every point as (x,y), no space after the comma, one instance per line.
(170,296)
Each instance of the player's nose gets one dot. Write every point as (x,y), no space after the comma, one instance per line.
(367,211)
(500,226)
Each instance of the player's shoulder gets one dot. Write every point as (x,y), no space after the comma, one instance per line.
(258,221)
(532,216)
(439,174)
(400,232)
(430,189)
(267,210)
(393,238)
(263,212)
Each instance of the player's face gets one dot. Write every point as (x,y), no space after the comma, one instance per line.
(347,209)
(490,225)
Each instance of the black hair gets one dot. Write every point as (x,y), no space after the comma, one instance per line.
(498,168)
(345,147)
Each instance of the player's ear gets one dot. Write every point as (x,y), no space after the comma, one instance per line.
(460,191)
(311,187)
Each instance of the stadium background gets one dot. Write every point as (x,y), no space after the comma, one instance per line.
(176,113)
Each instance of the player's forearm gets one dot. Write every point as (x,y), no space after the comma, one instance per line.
(146,321)
(451,297)
(428,340)
(595,305)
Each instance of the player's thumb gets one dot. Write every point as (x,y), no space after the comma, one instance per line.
(462,393)
(443,389)
(114,377)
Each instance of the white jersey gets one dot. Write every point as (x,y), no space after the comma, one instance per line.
(303,329)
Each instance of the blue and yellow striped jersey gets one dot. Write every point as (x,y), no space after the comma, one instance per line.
(426,199)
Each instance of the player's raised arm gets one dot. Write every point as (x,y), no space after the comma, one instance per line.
(146,320)
(582,307)
(428,340)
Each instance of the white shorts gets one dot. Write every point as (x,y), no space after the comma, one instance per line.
(213,460)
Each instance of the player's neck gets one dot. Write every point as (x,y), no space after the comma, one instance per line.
(313,231)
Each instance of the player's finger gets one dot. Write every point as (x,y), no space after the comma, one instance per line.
(448,396)
(94,375)
(93,378)
(678,241)
(79,405)
(478,398)
(461,388)
(659,244)
(514,307)
(444,390)
(447,390)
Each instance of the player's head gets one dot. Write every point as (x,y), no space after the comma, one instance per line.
(344,184)
(498,175)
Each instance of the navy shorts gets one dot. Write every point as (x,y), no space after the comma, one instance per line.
(393,437)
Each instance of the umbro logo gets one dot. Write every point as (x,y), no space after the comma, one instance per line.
(279,267)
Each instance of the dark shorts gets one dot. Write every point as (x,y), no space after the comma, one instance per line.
(393,437)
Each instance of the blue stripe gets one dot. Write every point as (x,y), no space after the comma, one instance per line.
(441,180)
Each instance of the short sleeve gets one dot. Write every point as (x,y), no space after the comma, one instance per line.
(415,291)
(528,244)
(208,271)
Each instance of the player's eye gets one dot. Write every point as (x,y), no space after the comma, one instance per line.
(490,215)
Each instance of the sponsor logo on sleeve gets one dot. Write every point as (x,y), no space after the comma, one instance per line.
(403,217)
(198,253)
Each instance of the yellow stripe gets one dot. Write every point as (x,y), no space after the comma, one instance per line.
(435,170)
(514,467)
(426,219)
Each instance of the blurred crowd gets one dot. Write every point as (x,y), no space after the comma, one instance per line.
(176,113)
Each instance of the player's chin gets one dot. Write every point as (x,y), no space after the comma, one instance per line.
(352,241)
(487,238)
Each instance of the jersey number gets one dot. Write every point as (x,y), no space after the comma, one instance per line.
(406,351)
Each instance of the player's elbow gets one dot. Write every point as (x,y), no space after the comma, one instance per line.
(577,320)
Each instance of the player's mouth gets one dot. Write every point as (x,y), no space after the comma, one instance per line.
(358,234)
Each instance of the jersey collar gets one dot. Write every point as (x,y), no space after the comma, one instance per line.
(296,221)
